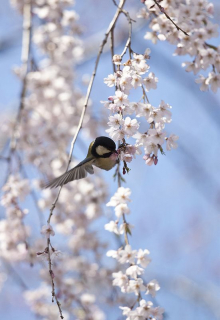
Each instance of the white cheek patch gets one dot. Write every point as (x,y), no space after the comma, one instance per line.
(100,150)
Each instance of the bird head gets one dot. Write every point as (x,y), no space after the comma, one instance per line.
(103,147)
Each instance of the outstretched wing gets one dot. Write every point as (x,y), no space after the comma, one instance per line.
(78,172)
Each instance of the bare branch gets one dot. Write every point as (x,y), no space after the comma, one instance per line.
(112,49)
(52,278)
(128,43)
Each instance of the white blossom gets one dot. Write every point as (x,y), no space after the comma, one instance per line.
(134,271)
(47,230)
(127,255)
(121,196)
(152,287)
(136,286)
(142,257)
(171,142)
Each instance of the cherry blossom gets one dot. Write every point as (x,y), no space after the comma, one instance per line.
(193,37)
(47,231)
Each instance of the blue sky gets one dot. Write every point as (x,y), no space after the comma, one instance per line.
(175,205)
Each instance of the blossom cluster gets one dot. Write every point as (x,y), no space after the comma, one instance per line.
(13,232)
(134,262)
(131,75)
(195,19)
(53,103)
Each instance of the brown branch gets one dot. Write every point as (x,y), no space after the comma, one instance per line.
(112,49)
(128,43)
(145,94)
(168,17)
(47,250)
(211,46)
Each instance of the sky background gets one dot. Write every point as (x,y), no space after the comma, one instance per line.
(175,205)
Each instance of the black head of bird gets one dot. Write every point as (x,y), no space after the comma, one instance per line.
(102,153)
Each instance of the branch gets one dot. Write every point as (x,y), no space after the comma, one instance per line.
(52,278)
(112,49)
(128,43)
(168,17)
(211,46)
(109,30)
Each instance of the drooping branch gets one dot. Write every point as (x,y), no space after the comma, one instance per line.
(108,32)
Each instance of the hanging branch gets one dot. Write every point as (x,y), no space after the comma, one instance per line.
(108,32)
(110,28)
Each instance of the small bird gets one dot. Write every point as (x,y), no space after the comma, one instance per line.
(102,153)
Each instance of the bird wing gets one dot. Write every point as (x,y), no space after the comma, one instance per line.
(78,172)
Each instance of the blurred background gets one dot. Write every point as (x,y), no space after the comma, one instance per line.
(175,205)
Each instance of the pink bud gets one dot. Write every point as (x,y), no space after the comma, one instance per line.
(110,98)
(155,161)
(117,58)
(148,159)
(146,156)
(149,162)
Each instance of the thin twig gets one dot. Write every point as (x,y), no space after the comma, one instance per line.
(115,3)
(211,46)
(110,28)
(112,49)
(168,17)
(52,278)
(128,43)
(145,94)
(123,216)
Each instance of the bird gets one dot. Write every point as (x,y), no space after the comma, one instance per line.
(102,153)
